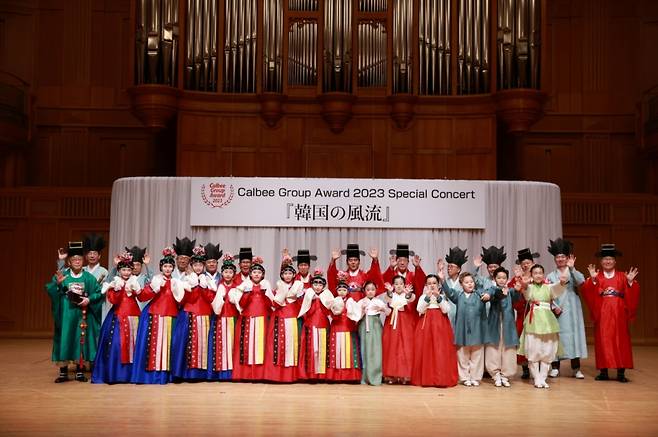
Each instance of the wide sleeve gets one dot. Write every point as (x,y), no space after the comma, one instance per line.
(422,304)
(450,293)
(148,292)
(631,298)
(337,305)
(590,292)
(557,289)
(332,273)
(178,289)
(280,294)
(354,310)
(218,301)
(115,297)
(419,280)
(94,287)
(577,278)
(387,275)
(375,274)
(54,289)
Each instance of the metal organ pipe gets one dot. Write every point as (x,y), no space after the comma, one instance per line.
(473,51)
(337,46)
(156,41)
(434,47)
(518,43)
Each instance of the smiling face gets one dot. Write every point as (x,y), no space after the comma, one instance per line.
(303,268)
(468,284)
(93,257)
(197,267)
(76,263)
(353,263)
(182,261)
(608,263)
(318,286)
(137,268)
(403,263)
(453,270)
(227,275)
(526,264)
(245,264)
(398,285)
(491,268)
(432,283)
(166,269)
(256,276)
(560,260)
(501,279)
(125,272)
(211,266)
(537,274)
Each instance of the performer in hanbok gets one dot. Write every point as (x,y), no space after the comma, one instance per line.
(213,257)
(493,257)
(184,251)
(190,352)
(344,350)
(303,260)
(315,329)
(253,298)
(455,258)
(399,266)
(501,339)
(76,298)
(355,276)
(140,268)
(568,308)
(435,356)
(152,358)
(116,346)
(612,298)
(540,337)
(245,257)
(222,327)
(470,323)
(282,349)
(370,334)
(399,331)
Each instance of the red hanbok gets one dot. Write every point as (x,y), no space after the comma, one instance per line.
(612,304)
(398,338)
(344,347)
(314,343)
(226,315)
(358,277)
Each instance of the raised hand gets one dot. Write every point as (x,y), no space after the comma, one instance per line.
(335,254)
(147,258)
(416,260)
(374,253)
(285,252)
(393,260)
(631,274)
(477,261)
(517,271)
(571,261)
(60,276)
(592,271)
(388,286)
(440,264)
(564,278)
(518,285)
(441,273)
(408,289)
(61,253)
(116,260)
(485,297)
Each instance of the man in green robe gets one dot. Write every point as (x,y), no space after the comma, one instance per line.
(76,301)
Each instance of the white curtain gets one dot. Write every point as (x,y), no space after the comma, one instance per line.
(152,212)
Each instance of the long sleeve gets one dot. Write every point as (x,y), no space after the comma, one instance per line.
(332,273)
(375,274)
(577,278)
(632,298)
(419,280)
(451,294)
(422,305)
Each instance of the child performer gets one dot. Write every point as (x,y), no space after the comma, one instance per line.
(501,338)
(151,364)
(370,334)
(525,259)
(116,346)
(435,356)
(222,327)
(282,350)
(540,336)
(314,342)
(568,308)
(253,298)
(190,353)
(344,357)
(399,328)
(76,308)
(612,297)
(469,327)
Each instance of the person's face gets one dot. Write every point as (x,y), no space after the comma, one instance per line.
(560,260)
(526,264)
(244,266)
(403,263)
(492,268)
(608,263)
(166,269)
(371,291)
(287,276)
(211,266)
(468,284)
(227,275)
(137,268)
(256,276)
(453,270)
(197,267)
(303,268)
(125,272)
(342,291)
(76,263)
(318,287)
(501,279)
(93,257)
(353,263)
(182,261)
(432,284)
(537,276)
(398,285)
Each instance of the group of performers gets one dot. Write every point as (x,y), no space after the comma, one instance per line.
(206,316)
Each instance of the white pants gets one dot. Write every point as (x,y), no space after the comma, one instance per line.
(500,359)
(470,360)
(539,371)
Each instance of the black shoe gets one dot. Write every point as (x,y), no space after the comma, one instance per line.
(526,373)
(62,378)
(622,378)
(602,377)
(80,377)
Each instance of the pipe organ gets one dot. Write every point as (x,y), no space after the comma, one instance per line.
(518,43)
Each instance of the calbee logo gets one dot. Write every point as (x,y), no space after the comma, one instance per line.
(216,194)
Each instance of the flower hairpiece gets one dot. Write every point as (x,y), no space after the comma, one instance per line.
(318,272)
(286,260)
(125,257)
(257,260)
(199,251)
(228,257)
(342,275)
(168,251)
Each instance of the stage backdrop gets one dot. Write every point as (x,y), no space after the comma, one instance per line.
(152,212)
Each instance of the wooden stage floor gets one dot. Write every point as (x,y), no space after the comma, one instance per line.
(30,403)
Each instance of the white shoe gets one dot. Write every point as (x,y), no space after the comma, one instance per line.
(539,385)
(578,374)
(498,383)
(467,383)
(475,383)
(554,373)
(545,385)
(506,383)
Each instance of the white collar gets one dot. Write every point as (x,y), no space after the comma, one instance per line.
(92,269)
(79,275)
(609,275)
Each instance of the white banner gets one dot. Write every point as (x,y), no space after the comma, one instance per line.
(337,203)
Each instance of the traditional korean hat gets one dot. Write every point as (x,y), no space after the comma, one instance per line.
(184,247)
(168,256)
(526,254)
(318,277)
(213,252)
(457,256)
(75,248)
(137,253)
(304,256)
(352,251)
(93,242)
(402,251)
(245,253)
(257,264)
(608,249)
(560,246)
(228,262)
(199,255)
(494,255)
(125,260)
